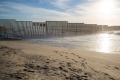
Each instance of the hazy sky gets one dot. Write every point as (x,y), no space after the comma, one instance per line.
(87,11)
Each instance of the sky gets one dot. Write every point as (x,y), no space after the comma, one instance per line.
(83,11)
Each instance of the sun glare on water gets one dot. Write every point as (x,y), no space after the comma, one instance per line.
(105,43)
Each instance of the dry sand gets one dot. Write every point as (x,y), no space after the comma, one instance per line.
(20,60)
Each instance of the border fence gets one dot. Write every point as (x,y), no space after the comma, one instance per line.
(10,28)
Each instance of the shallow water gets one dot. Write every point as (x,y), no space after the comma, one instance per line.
(107,42)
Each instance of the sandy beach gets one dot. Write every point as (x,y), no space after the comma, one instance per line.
(21,60)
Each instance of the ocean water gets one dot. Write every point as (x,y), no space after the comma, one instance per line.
(107,42)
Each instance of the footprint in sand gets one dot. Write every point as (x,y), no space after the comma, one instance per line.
(60,54)
(69,64)
(18,76)
(73,53)
(66,57)
(60,63)
(83,65)
(28,70)
(56,51)
(75,60)
(79,57)
(117,68)
(47,59)
(62,68)
(53,60)
(111,78)
(47,62)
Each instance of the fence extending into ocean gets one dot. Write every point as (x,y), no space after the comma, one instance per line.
(11,27)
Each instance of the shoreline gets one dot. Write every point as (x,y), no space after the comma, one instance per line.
(62,63)
(10,42)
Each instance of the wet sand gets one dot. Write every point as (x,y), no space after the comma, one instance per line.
(20,60)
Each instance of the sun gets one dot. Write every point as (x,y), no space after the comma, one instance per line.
(106,6)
